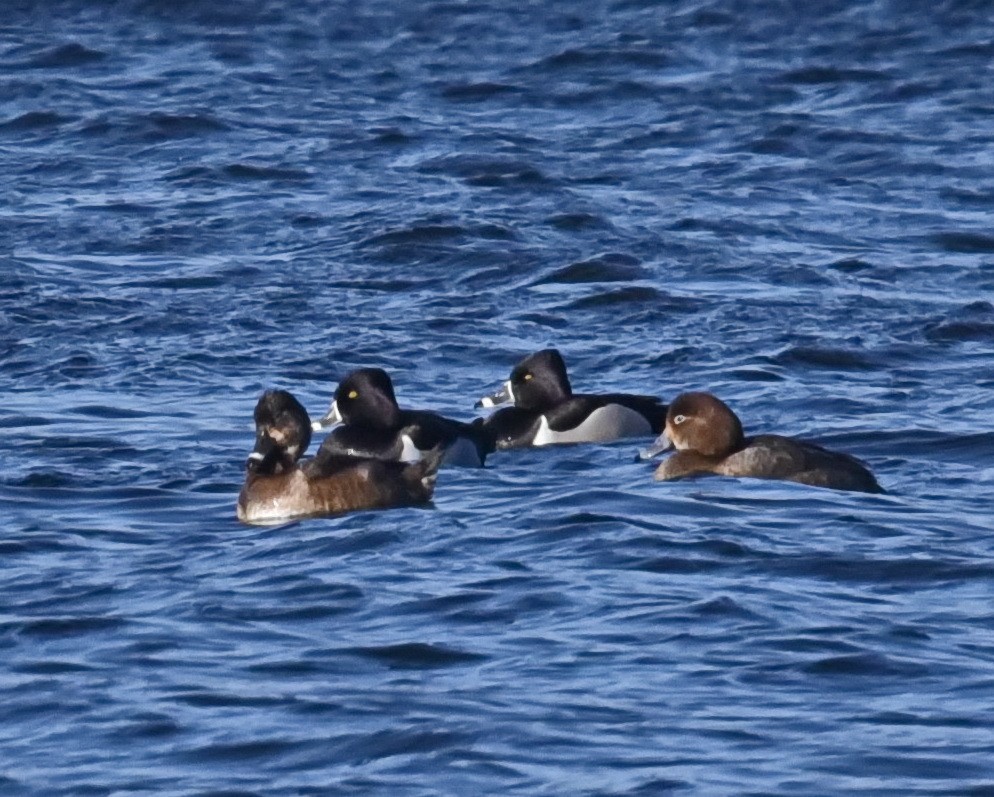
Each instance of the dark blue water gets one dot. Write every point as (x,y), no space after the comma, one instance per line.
(788,204)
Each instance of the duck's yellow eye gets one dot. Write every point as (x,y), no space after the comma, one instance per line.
(527,377)
(353,394)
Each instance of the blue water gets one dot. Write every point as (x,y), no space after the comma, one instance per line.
(788,204)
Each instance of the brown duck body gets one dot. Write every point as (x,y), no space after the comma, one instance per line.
(279,486)
(776,457)
(709,440)
(311,489)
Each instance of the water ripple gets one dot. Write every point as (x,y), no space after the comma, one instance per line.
(790,210)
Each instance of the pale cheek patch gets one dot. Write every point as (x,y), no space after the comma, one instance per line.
(278,436)
(255,456)
(673,435)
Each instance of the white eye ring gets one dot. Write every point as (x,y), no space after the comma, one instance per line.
(679,419)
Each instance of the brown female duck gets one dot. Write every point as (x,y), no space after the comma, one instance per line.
(708,439)
(279,486)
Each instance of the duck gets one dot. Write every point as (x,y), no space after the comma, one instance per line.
(281,486)
(709,439)
(373,425)
(545,410)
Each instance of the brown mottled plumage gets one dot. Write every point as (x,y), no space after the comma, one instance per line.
(279,486)
(709,439)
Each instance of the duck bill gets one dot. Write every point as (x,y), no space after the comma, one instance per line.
(330,418)
(502,396)
(659,445)
(264,456)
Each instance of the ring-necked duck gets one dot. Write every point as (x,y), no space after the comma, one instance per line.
(708,439)
(374,426)
(546,410)
(279,486)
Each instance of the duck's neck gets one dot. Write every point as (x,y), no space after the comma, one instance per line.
(686,463)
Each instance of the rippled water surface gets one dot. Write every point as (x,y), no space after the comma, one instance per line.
(787,204)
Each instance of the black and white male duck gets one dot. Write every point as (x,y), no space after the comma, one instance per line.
(280,486)
(546,411)
(373,425)
(708,439)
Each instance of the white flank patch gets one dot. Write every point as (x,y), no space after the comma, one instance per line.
(604,424)
(410,452)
